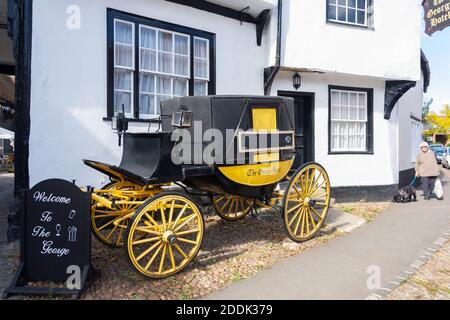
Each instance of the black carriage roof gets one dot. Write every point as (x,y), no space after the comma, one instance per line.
(235,96)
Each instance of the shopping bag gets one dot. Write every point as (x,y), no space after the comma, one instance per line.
(438,191)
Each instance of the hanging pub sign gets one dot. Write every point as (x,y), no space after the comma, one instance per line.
(56,239)
(436,15)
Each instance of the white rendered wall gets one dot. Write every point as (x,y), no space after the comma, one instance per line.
(390,50)
(69,79)
(381,168)
(409,105)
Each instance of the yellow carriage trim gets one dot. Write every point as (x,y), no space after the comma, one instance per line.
(257,174)
(265,119)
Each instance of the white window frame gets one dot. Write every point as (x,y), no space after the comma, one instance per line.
(207,79)
(366,15)
(344,121)
(173,76)
(132,68)
(182,83)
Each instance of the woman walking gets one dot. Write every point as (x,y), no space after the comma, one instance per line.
(427,169)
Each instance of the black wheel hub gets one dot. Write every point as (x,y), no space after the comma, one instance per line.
(312,203)
(171,239)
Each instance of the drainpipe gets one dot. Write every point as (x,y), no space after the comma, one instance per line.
(271,72)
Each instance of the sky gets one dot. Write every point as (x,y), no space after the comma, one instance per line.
(437,50)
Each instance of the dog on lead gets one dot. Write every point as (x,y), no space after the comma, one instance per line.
(406,194)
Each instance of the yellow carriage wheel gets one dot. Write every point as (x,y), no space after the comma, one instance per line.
(230,207)
(108,225)
(306,202)
(164,235)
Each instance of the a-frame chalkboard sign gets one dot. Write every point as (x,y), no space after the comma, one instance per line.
(55,241)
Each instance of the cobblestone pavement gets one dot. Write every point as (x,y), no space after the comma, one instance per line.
(8,251)
(431,282)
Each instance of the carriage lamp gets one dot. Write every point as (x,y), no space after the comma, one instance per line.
(297,81)
(119,123)
(182,119)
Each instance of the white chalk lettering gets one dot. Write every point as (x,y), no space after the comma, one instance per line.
(40,232)
(43,197)
(47,248)
(46,216)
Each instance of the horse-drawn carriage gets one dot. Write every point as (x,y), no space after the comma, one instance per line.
(237,150)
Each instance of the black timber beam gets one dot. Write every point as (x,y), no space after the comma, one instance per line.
(393,92)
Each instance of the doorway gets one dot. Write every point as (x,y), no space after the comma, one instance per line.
(304,126)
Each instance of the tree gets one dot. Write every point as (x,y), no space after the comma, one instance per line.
(439,123)
(426,107)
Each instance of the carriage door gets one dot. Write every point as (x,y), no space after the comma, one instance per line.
(304,126)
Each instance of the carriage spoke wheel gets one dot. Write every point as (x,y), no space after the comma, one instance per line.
(108,225)
(230,207)
(164,235)
(306,202)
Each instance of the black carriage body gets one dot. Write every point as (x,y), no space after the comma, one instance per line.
(230,116)
(145,160)
(227,113)
(148,158)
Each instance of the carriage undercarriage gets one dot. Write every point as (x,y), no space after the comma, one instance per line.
(162,230)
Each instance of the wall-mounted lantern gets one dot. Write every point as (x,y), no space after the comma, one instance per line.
(297,81)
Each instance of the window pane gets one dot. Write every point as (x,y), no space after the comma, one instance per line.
(164,85)
(344,98)
(200,88)
(362,4)
(342,14)
(353,99)
(335,97)
(147,83)
(351,17)
(165,61)
(361,17)
(362,114)
(181,65)
(148,60)
(123,56)
(352,141)
(343,136)
(332,1)
(334,136)
(332,12)
(362,136)
(334,112)
(123,32)
(148,38)
(165,41)
(362,99)
(122,79)
(200,68)
(352,3)
(158,102)
(181,44)
(122,98)
(200,48)
(342,2)
(345,112)
(147,104)
(180,87)
(353,114)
